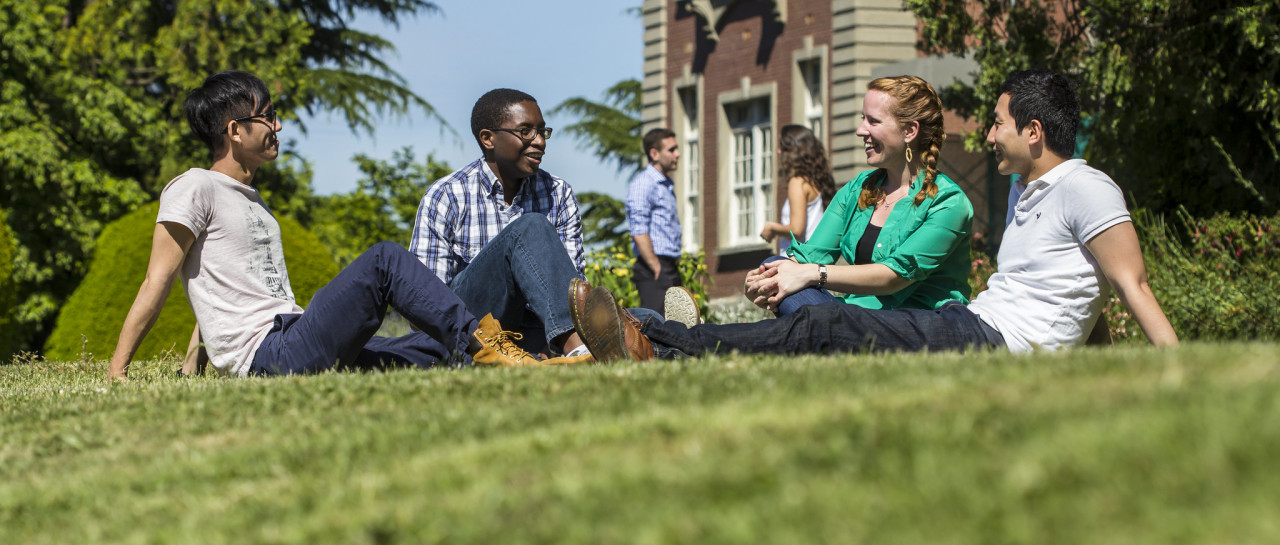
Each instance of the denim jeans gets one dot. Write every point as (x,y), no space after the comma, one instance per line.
(834,328)
(338,326)
(522,277)
(807,296)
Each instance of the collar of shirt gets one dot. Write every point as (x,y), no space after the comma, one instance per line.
(489,182)
(657,175)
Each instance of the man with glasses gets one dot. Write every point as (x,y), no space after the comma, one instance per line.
(215,231)
(504,234)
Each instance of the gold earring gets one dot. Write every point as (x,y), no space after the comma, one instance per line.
(908,154)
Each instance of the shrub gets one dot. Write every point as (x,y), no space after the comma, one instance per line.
(89,324)
(8,291)
(1216,278)
(611,268)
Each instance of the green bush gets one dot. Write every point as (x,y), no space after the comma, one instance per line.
(89,324)
(611,268)
(8,291)
(1216,278)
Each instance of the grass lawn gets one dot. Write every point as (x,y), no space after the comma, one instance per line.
(1123,445)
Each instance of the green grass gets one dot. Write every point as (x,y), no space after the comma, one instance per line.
(1125,445)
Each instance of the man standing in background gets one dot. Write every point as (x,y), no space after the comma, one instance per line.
(653,220)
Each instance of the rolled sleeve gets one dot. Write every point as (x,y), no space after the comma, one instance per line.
(639,211)
(946,226)
(569,226)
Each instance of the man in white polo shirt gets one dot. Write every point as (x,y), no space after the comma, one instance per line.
(1068,241)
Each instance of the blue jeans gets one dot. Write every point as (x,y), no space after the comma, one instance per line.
(522,278)
(807,296)
(834,328)
(338,325)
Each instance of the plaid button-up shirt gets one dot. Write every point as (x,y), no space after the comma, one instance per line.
(651,210)
(463,211)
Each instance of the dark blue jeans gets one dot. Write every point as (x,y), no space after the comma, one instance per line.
(834,328)
(804,297)
(338,325)
(522,278)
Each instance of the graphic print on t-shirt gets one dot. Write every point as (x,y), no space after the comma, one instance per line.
(261,265)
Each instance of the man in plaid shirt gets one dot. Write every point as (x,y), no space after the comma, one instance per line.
(494,230)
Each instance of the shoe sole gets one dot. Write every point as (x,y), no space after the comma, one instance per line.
(576,314)
(601,328)
(680,306)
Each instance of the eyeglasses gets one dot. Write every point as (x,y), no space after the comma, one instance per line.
(268,116)
(527,133)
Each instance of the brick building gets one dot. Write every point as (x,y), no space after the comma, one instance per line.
(726,74)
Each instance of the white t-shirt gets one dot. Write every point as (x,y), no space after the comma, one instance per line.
(234,273)
(1048,290)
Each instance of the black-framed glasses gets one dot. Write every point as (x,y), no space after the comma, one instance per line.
(268,116)
(527,133)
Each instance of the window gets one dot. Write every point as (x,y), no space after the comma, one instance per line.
(752,170)
(811,74)
(690,159)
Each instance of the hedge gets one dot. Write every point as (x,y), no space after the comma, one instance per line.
(89,324)
(8,291)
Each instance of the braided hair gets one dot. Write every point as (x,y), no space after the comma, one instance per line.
(914,100)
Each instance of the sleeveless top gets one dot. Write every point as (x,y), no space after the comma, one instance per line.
(812,213)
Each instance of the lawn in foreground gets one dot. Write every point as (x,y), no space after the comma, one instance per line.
(1119,445)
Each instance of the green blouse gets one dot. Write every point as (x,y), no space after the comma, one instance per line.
(928,244)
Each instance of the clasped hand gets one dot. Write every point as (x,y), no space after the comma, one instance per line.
(767,285)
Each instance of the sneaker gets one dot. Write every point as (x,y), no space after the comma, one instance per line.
(493,347)
(680,306)
(609,331)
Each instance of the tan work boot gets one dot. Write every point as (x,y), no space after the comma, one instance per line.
(493,347)
(610,332)
(578,291)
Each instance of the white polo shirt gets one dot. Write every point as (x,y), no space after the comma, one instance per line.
(1048,290)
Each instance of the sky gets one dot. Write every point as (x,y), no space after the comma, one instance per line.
(551,49)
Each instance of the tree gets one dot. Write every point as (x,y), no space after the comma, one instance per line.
(604,221)
(382,207)
(90,109)
(612,127)
(1181,100)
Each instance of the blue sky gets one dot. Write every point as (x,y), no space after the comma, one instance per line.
(551,49)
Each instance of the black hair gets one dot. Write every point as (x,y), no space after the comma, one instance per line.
(1050,98)
(654,138)
(491,110)
(222,97)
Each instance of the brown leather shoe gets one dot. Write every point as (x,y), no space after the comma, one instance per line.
(610,332)
(578,291)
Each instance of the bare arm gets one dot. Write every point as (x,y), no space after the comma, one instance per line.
(644,252)
(169,247)
(197,358)
(1117,252)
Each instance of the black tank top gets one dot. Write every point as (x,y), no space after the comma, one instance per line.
(866,244)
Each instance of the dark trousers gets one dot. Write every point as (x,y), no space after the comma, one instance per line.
(653,291)
(522,278)
(834,328)
(338,325)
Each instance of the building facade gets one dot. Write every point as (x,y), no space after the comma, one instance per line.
(726,74)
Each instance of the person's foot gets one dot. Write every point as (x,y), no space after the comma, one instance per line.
(493,347)
(609,331)
(680,306)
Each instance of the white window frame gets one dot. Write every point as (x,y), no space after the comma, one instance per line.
(691,170)
(751,152)
(812,106)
